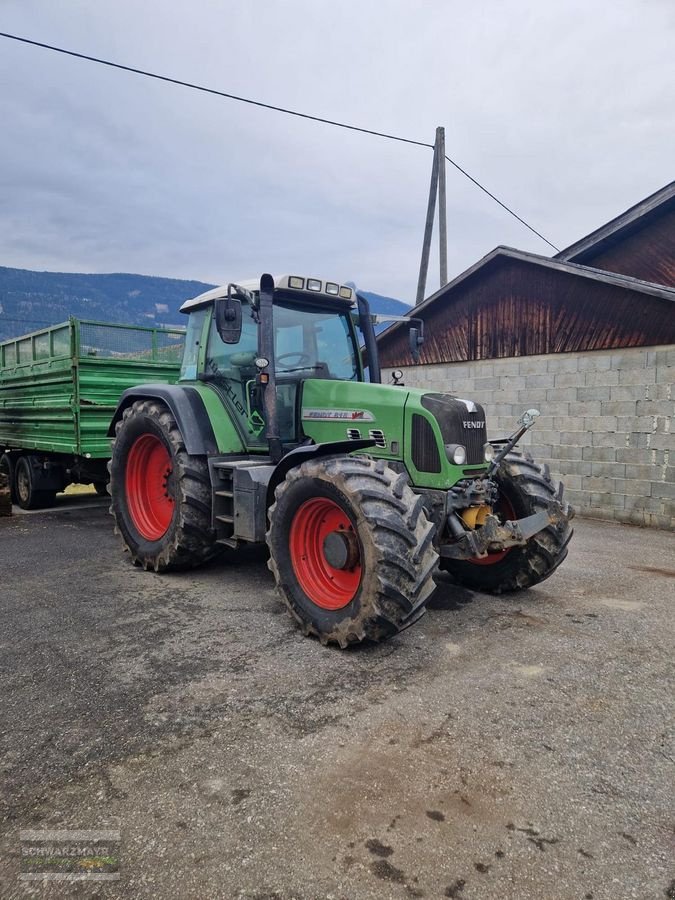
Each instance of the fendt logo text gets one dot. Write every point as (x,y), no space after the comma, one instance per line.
(473,424)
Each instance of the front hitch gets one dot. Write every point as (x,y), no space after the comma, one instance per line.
(493,537)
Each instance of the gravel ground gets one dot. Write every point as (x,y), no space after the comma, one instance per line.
(502,748)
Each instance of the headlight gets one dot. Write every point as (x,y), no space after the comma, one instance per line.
(456,454)
(488,452)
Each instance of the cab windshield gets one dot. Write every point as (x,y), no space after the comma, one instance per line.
(309,342)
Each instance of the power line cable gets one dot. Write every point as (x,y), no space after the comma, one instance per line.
(270,106)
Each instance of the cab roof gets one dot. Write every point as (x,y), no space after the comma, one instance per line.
(320,288)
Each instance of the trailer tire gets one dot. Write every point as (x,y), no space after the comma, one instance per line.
(351,549)
(526,488)
(161,496)
(24,486)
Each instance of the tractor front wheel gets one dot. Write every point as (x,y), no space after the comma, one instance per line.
(161,496)
(350,549)
(525,488)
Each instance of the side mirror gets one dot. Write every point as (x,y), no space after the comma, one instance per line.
(228,318)
(416,339)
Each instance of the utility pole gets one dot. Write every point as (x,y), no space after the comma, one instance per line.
(436,187)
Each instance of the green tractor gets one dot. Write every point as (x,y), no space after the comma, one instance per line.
(273,434)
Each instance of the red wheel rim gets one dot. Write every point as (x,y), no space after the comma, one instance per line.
(326,586)
(506,512)
(147,489)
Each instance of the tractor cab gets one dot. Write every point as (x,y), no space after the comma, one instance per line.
(242,340)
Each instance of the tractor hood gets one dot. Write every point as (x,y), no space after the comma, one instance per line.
(404,422)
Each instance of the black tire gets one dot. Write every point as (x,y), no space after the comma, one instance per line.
(392,541)
(24,487)
(7,466)
(101,488)
(527,488)
(189,539)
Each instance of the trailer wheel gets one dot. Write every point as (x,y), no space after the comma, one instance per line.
(161,496)
(7,466)
(350,549)
(25,486)
(525,488)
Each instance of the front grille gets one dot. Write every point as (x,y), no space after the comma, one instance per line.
(424,447)
(461,422)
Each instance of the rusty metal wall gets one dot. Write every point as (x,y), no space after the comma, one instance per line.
(648,253)
(514,308)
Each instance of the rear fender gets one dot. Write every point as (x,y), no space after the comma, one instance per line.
(187,408)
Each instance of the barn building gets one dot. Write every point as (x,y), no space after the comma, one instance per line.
(588,337)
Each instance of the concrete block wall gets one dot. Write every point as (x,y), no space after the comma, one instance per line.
(607,424)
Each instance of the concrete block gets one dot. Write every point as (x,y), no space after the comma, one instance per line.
(587,408)
(640,473)
(558,409)
(637,376)
(563,453)
(630,358)
(559,393)
(664,490)
(603,439)
(569,423)
(541,452)
(506,396)
(598,484)
(532,365)
(486,384)
(634,487)
(600,454)
(634,456)
(608,469)
(598,392)
(576,467)
(657,441)
(655,408)
(531,396)
(595,361)
(600,423)
(665,522)
(647,504)
(606,500)
(665,357)
(648,424)
(619,407)
(506,366)
(539,381)
(603,378)
(573,482)
(563,362)
(511,382)
(664,391)
(622,392)
(568,379)
(578,439)
(631,516)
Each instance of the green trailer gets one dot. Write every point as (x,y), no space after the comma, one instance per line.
(59,388)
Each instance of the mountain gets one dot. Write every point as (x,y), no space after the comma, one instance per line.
(32,300)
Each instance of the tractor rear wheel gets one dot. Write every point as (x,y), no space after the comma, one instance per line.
(525,488)
(161,496)
(351,549)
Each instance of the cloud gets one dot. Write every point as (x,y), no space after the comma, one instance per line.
(563,109)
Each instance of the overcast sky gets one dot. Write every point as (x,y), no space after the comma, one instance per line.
(563,109)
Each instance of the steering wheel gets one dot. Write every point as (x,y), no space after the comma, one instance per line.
(298,359)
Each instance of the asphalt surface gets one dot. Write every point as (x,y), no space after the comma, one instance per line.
(502,748)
